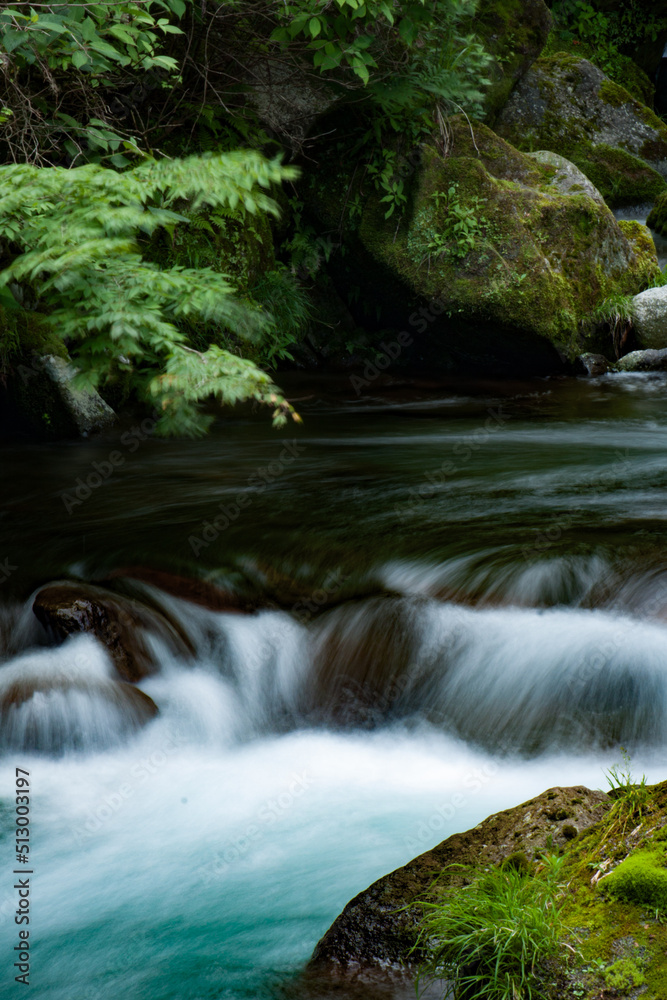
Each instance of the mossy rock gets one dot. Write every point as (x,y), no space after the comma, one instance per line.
(620,177)
(519,288)
(514,32)
(568,105)
(613,934)
(658,215)
(624,70)
(377,929)
(642,243)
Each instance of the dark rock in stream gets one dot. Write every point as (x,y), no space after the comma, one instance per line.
(593,364)
(361,661)
(376,930)
(67,701)
(119,623)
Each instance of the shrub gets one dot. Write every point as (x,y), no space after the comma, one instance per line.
(73,235)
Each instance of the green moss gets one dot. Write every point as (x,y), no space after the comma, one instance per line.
(658,215)
(611,93)
(620,177)
(24,333)
(518,861)
(624,975)
(641,878)
(642,243)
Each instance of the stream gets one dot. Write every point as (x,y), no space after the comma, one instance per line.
(462,593)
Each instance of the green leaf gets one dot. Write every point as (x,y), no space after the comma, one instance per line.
(79,59)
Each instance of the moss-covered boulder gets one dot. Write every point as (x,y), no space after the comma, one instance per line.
(641,878)
(612,898)
(568,105)
(650,360)
(493,266)
(514,32)
(377,929)
(640,237)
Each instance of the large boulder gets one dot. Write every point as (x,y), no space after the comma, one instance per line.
(377,929)
(568,105)
(121,624)
(610,928)
(493,266)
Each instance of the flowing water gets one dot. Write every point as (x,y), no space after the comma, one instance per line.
(462,594)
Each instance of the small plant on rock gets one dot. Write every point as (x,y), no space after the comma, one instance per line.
(489,937)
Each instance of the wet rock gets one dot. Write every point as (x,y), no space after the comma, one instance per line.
(67,699)
(37,398)
(568,105)
(361,659)
(119,623)
(85,406)
(375,931)
(643,361)
(649,312)
(593,364)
